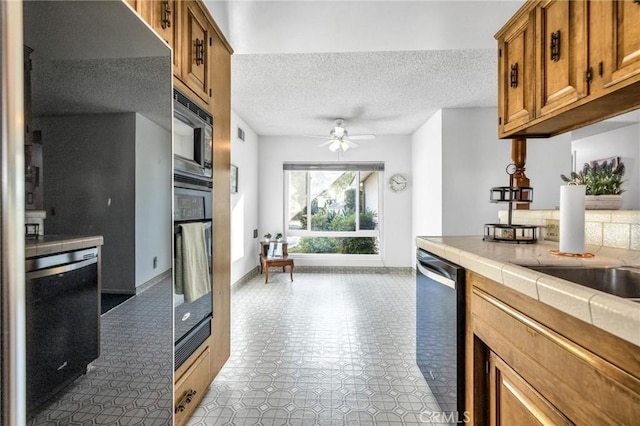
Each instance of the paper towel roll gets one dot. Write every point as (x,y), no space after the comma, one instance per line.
(572,218)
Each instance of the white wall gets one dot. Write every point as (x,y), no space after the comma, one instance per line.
(547,159)
(458,158)
(624,143)
(426,159)
(395,151)
(244,204)
(153,199)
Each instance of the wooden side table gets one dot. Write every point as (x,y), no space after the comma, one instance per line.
(266,262)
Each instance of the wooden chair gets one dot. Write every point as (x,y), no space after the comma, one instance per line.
(266,261)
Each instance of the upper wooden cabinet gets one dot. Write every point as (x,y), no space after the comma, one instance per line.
(164,16)
(196,41)
(515,60)
(623,41)
(561,50)
(585,66)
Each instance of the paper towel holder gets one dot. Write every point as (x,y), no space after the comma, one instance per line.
(509,232)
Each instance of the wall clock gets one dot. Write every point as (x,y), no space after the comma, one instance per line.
(397,183)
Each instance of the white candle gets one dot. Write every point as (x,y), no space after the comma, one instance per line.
(572,218)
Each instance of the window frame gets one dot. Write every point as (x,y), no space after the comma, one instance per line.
(352,166)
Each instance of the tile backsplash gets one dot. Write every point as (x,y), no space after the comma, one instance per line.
(608,228)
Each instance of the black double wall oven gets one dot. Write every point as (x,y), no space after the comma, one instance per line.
(192,204)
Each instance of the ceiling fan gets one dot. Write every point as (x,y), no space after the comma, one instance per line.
(339,138)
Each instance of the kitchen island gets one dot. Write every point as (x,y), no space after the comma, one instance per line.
(541,348)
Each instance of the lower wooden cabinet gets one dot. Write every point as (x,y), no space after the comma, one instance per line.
(191,387)
(514,402)
(528,363)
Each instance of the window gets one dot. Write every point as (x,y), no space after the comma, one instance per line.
(333,207)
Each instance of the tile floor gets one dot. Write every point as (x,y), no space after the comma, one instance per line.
(131,382)
(327,349)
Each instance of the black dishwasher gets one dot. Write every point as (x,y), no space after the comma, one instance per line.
(62,321)
(440,328)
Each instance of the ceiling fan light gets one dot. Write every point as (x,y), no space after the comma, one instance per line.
(335,145)
(344,145)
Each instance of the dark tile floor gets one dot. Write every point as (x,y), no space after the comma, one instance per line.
(327,349)
(131,382)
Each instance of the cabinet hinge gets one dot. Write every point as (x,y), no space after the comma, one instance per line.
(589,75)
(499,53)
(500,120)
(30,65)
(486,367)
(209,92)
(601,69)
(210,41)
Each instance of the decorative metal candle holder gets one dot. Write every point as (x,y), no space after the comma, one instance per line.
(510,233)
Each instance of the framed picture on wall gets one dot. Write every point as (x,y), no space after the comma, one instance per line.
(234,179)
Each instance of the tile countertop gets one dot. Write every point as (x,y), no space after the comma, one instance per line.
(499,262)
(52,244)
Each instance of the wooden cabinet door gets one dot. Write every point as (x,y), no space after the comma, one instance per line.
(165,19)
(512,401)
(623,42)
(195,51)
(516,75)
(561,54)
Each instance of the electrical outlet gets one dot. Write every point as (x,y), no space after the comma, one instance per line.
(255,233)
(155,262)
(552,230)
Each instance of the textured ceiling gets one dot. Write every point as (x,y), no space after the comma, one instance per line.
(95,57)
(375,92)
(384,66)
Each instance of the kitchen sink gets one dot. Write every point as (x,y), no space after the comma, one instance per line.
(622,281)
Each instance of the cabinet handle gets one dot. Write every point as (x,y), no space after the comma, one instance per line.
(514,75)
(186,399)
(199,51)
(555,46)
(636,1)
(166,14)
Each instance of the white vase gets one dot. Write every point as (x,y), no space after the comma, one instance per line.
(603,202)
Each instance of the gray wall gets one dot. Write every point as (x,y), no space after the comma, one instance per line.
(110,175)
(89,179)
(153,199)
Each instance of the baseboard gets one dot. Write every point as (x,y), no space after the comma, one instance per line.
(153,281)
(355,269)
(247,277)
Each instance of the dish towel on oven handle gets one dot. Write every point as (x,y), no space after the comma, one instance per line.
(193,262)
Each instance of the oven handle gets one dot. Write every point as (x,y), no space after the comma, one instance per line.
(435,276)
(206,222)
(60,269)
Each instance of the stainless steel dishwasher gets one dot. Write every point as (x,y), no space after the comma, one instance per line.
(440,325)
(62,320)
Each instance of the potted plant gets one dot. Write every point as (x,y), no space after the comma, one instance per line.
(278,237)
(267,237)
(603,183)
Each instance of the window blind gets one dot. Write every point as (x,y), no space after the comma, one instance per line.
(362,166)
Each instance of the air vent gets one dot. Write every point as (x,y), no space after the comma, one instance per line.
(202,183)
(240,134)
(192,106)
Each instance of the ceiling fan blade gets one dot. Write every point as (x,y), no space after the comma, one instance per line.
(351,143)
(362,137)
(326,143)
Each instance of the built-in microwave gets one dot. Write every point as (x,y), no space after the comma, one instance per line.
(192,135)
